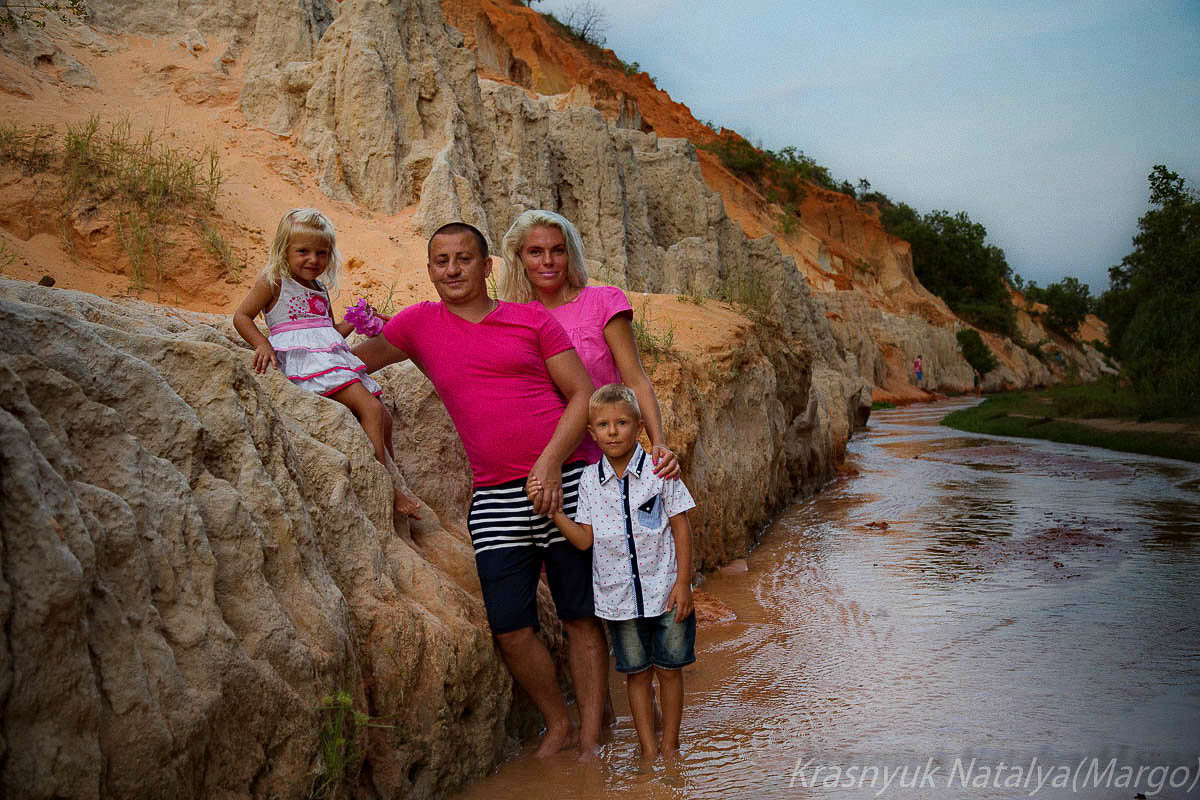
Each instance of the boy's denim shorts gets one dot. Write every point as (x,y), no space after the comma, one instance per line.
(659,641)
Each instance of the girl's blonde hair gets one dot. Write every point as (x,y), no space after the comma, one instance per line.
(303,220)
(512,283)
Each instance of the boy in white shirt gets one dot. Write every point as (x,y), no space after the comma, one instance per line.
(641,577)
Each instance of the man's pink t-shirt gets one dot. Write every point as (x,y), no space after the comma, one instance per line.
(584,319)
(492,376)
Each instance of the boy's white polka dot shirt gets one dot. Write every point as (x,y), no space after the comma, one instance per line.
(633,553)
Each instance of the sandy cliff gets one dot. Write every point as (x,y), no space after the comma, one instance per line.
(876,307)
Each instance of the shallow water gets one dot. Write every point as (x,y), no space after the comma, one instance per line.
(982,617)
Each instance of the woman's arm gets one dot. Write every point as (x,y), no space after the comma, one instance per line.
(619,335)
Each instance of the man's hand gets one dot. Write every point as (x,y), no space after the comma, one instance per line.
(547,475)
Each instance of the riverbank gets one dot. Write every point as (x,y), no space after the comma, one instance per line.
(1099,414)
(940,572)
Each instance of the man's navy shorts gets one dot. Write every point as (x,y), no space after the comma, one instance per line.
(511,545)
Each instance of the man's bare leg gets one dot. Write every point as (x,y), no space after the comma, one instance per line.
(532,668)
(587,658)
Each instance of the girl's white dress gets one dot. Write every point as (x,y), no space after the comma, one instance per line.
(311,353)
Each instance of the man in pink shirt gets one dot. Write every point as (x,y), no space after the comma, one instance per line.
(518,396)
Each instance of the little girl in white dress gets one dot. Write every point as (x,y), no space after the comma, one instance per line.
(305,343)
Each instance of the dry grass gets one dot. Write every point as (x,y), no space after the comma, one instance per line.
(144,185)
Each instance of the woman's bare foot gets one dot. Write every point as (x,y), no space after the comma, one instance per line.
(556,740)
(403,504)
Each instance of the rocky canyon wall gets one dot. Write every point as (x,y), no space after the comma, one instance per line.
(196,558)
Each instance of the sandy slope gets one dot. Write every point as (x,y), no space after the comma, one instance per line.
(160,85)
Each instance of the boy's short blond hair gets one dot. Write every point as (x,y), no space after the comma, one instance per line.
(614,393)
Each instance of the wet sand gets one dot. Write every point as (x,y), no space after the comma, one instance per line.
(983,617)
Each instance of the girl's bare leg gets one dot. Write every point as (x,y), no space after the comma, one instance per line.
(670,686)
(640,688)
(377,422)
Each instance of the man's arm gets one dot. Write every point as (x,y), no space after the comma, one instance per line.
(568,374)
(378,352)
(577,533)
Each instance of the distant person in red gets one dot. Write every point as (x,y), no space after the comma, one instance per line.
(917,369)
(518,396)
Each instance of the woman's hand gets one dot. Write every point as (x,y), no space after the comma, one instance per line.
(264,356)
(666,463)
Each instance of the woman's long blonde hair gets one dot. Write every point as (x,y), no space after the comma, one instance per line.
(512,284)
(303,220)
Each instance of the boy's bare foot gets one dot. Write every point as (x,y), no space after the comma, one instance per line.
(403,504)
(649,755)
(556,740)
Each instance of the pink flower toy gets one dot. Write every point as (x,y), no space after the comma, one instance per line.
(362,316)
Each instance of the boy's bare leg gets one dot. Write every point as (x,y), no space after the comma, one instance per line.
(587,658)
(640,688)
(670,686)
(532,668)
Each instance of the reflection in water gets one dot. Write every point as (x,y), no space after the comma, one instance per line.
(960,598)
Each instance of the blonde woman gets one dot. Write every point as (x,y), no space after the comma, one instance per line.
(543,261)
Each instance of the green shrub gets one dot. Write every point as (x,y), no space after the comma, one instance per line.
(1152,305)
(1067,303)
(782,175)
(952,259)
(975,351)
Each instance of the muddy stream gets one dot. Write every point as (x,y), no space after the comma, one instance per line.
(958,616)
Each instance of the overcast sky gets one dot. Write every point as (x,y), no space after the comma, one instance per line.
(1040,119)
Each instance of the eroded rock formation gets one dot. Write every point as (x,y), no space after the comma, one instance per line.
(194,557)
